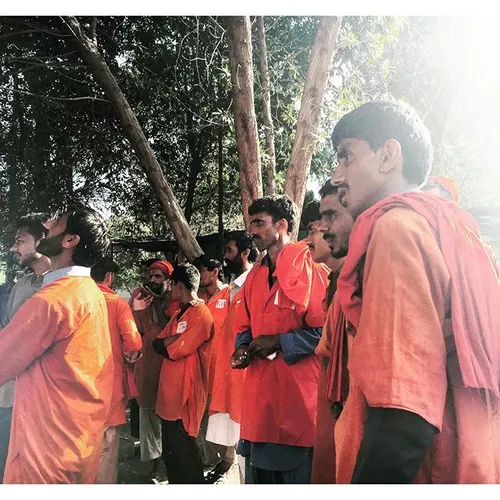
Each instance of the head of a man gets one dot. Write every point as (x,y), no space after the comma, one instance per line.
(336,221)
(383,148)
(76,236)
(29,232)
(272,219)
(160,272)
(144,270)
(211,271)
(239,251)
(311,218)
(185,282)
(105,272)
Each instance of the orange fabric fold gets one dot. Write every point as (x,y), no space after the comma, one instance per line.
(337,375)
(294,270)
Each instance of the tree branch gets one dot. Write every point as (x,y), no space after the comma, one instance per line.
(93,29)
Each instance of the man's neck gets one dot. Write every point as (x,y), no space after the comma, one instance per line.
(61,261)
(275,249)
(396,187)
(334,264)
(214,288)
(246,266)
(40,265)
(189,297)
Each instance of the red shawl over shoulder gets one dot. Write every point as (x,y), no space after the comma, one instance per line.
(475,288)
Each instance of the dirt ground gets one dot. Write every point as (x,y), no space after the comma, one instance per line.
(132,471)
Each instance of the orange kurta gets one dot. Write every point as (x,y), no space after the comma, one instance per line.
(218,306)
(58,346)
(124,338)
(228,383)
(403,355)
(183,387)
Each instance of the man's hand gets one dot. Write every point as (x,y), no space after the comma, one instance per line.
(264,345)
(141,301)
(240,358)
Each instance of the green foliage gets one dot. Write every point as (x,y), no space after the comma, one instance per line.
(59,136)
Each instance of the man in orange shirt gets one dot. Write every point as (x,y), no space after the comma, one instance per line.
(279,326)
(227,387)
(185,345)
(328,221)
(211,279)
(420,294)
(126,344)
(65,370)
(153,307)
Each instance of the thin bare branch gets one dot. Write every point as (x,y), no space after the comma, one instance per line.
(53,98)
(19,21)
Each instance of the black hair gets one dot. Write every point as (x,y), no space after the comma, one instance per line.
(327,189)
(188,275)
(278,207)
(244,241)
(103,267)
(310,214)
(90,226)
(376,122)
(33,224)
(209,264)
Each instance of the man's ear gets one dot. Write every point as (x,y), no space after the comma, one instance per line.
(109,278)
(282,224)
(70,241)
(245,253)
(391,156)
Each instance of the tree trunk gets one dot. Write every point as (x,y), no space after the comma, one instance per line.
(220,205)
(195,166)
(266,108)
(239,37)
(318,72)
(133,131)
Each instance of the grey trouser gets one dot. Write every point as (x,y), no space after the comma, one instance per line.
(5,423)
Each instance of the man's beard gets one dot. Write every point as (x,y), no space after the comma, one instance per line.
(28,260)
(340,253)
(234,266)
(156,288)
(51,247)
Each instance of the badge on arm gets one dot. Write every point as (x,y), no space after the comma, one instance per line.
(181,327)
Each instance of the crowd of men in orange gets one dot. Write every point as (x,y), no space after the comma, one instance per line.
(368,352)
